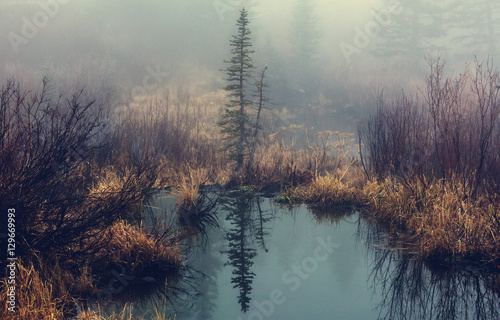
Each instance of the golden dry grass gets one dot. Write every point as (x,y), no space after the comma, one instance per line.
(439,217)
(341,187)
(46,291)
(125,314)
(436,215)
(109,181)
(276,161)
(131,247)
(189,183)
(280,163)
(35,298)
(329,190)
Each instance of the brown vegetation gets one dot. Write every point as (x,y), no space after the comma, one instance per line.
(137,252)
(45,290)
(431,167)
(51,175)
(436,161)
(35,297)
(436,216)
(71,187)
(448,131)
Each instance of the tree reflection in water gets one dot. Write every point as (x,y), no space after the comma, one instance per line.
(414,289)
(408,288)
(248,230)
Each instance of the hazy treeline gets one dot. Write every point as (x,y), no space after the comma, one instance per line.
(118,43)
(450,130)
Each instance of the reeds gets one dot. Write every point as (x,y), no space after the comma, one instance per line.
(438,217)
(136,252)
(125,314)
(450,129)
(435,216)
(329,190)
(44,290)
(176,132)
(434,163)
(35,297)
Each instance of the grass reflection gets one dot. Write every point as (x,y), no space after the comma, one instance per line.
(412,288)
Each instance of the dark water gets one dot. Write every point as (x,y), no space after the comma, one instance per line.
(269,262)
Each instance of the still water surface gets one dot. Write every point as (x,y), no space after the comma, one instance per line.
(271,262)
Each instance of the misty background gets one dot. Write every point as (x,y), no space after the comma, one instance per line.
(328,60)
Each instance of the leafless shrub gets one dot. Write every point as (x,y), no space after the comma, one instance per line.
(48,174)
(449,130)
(172,132)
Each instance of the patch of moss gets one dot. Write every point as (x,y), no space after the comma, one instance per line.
(247,189)
(287,199)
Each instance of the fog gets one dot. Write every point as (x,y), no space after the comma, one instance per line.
(350,51)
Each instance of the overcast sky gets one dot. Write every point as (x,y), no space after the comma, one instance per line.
(125,37)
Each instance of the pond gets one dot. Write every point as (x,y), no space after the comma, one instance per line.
(265,261)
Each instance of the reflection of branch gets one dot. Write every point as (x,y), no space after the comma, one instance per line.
(410,290)
(245,231)
(260,233)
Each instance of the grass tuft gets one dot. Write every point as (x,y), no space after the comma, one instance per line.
(36,298)
(436,213)
(137,252)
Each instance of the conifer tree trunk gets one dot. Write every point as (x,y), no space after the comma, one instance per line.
(235,123)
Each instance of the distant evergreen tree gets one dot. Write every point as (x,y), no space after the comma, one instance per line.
(304,40)
(479,24)
(235,122)
(413,31)
(277,75)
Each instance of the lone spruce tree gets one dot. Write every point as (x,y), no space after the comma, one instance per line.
(235,122)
